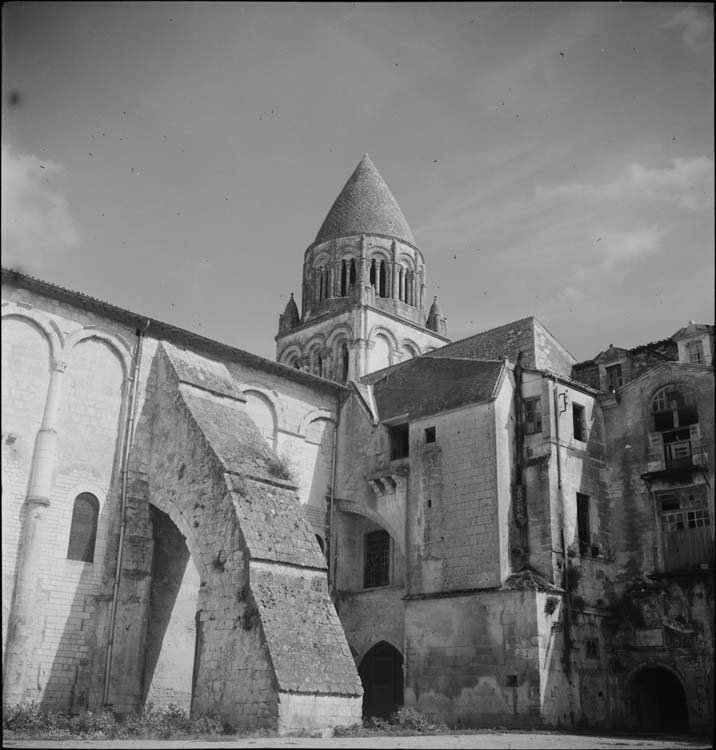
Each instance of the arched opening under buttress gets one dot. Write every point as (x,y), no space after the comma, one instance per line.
(172,634)
(659,701)
(381,672)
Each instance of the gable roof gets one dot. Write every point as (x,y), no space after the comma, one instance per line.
(540,349)
(365,206)
(428,385)
(692,329)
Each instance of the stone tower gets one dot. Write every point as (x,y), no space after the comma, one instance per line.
(363,305)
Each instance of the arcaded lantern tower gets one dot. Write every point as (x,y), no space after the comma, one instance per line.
(363,305)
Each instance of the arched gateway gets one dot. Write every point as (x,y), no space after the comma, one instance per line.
(381,672)
(659,701)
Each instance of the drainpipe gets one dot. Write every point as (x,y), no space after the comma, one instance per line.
(567,636)
(331,555)
(25,619)
(567,599)
(129,432)
(519,490)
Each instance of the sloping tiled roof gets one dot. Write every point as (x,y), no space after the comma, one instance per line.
(365,206)
(428,385)
(162,330)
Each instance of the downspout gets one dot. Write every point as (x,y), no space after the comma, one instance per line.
(123,512)
(565,575)
(519,490)
(331,555)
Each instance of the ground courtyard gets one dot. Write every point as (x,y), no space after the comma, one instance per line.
(484,740)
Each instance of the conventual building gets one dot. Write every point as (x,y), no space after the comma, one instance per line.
(485,529)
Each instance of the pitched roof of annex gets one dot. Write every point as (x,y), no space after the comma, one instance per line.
(427,385)
(365,206)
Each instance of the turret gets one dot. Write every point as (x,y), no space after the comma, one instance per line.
(436,321)
(290,318)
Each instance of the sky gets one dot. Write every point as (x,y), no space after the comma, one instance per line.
(552,159)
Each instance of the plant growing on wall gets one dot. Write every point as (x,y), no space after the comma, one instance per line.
(281,467)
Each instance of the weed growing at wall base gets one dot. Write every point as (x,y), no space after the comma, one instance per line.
(407,720)
(30,720)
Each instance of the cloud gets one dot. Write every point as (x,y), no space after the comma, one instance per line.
(696,25)
(36,219)
(620,249)
(687,183)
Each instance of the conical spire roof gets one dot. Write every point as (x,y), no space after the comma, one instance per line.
(365,206)
(291,308)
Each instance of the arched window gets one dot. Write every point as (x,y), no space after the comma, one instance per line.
(344,278)
(372,273)
(344,361)
(352,278)
(382,291)
(324,282)
(83,531)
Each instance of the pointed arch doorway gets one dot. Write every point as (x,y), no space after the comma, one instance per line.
(659,701)
(381,672)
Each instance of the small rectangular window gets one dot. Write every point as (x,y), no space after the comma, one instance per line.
(583,531)
(614,377)
(399,441)
(376,571)
(429,434)
(592,648)
(580,432)
(533,415)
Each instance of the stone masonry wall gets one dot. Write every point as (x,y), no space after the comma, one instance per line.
(73,660)
(25,378)
(228,519)
(473,660)
(62,669)
(674,609)
(452,524)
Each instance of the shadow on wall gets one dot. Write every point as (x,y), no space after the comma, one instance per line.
(168,675)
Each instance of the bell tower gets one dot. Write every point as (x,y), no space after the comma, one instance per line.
(363,301)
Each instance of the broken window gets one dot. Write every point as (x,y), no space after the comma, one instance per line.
(592,648)
(578,422)
(695,350)
(83,529)
(399,441)
(533,415)
(674,411)
(685,526)
(583,531)
(614,377)
(376,571)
